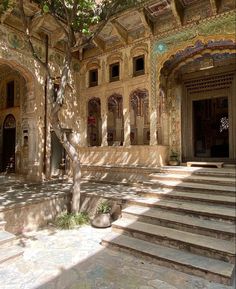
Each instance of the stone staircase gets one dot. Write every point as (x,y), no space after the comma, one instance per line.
(8,250)
(184,219)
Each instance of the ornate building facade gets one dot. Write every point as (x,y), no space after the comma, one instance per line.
(158,78)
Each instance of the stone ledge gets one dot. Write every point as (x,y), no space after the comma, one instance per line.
(31,216)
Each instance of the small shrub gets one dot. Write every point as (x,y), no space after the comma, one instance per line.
(69,221)
(104,208)
(82,218)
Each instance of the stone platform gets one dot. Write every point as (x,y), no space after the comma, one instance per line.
(74,259)
(191,209)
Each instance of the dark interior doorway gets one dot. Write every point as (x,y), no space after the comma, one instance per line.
(9,144)
(58,156)
(211,128)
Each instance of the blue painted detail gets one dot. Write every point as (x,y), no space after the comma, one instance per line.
(160,48)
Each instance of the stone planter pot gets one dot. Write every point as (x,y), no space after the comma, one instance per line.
(173,163)
(102,221)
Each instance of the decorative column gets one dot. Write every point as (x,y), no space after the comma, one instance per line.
(126,114)
(104,113)
(164,121)
(154,85)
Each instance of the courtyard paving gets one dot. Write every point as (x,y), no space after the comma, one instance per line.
(74,259)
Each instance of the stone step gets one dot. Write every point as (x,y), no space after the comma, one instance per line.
(2,225)
(210,269)
(190,171)
(194,187)
(10,253)
(6,238)
(207,246)
(202,210)
(216,180)
(188,195)
(155,216)
(230,165)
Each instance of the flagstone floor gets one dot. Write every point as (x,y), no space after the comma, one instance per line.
(74,259)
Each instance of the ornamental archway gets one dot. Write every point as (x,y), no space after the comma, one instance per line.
(18,144)
(199,85)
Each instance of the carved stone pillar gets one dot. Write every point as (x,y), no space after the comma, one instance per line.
(153,101)
(126,114)
(153,114)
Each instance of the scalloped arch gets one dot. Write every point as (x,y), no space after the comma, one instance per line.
(162,59)
(142,91)
(203,53)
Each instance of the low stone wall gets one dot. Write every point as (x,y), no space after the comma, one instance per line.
(21,218)
(148,156)
(117,174)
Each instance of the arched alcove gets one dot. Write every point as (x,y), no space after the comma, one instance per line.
(94,122)
(115,121)
(9,144)
(139,117)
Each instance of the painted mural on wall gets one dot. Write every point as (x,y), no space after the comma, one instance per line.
(219,26)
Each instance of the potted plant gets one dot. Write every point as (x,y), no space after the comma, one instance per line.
(174,158)
(103,217)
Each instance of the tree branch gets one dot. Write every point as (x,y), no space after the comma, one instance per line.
(27,32)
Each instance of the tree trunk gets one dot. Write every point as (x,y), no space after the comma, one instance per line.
(75,202)
(55,105)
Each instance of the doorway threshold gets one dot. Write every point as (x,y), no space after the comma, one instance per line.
(205,164)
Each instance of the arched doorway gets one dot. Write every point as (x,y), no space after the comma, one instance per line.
(200,89)
(20,98)
(58,156)
(9,143)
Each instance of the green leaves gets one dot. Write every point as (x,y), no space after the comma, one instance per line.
(5,5)
(67,221)
(46,8)
(104,208)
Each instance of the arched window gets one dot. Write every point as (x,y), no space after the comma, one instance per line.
(94,122)
(139,117)
(9,122)
(115,120)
